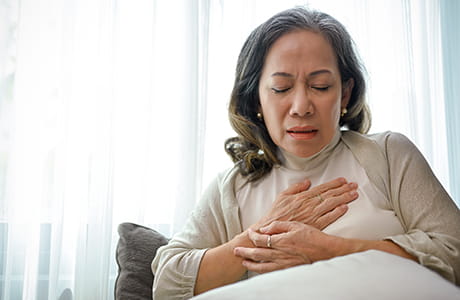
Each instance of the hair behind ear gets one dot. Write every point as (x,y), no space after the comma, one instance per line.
(347,88)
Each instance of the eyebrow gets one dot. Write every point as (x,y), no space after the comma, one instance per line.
(320,72)
(282,74)
(314,73)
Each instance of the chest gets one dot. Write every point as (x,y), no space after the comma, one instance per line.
(368,217)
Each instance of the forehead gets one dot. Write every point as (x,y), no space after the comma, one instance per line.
(301,50)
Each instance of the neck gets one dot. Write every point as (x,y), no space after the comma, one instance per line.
(295,162)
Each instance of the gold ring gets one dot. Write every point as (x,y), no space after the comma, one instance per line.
(269,241)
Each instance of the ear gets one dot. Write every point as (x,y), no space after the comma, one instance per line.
(346,92)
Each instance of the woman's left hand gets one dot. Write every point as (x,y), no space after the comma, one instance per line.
(284,244)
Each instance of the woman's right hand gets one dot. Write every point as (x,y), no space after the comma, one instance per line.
(317,207)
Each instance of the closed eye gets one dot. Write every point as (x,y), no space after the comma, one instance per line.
(278,91)
(321,88)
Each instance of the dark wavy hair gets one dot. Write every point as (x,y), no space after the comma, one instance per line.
(253,149)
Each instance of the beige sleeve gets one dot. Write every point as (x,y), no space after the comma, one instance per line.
(430,218)
(176,264)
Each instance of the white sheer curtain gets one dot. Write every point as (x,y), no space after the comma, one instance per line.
(115,110)
(450,22)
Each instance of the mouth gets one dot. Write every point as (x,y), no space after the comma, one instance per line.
(302,129)
(302,133)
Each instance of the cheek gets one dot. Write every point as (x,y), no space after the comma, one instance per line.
(273,119)
(334,111)
(270,119)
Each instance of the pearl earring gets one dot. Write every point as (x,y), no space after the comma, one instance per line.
(259,116)
(343,112)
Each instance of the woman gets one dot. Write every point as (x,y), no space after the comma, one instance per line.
(298,80)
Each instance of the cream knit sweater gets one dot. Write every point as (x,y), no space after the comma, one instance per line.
(430,219)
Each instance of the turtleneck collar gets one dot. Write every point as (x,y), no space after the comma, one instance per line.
(293,162)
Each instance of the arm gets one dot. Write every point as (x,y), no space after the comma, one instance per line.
(213,222)
(295,243)
(355,245)
(430,217)
(220,266)
(201,256)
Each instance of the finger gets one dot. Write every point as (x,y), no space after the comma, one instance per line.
(333,202)
(256,254)
(338,182)
(280,260)
(261,267)
(298,187)
(278,227)
(331,216)
(259,240)
(340,190)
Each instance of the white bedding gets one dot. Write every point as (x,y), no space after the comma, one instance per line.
(366,275)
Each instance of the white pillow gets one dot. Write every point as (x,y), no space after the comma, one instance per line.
(365,275)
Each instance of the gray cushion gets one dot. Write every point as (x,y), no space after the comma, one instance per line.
(136,249)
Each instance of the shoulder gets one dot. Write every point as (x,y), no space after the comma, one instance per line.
(220,181)
(382,150)
(228,179)
(228,175)
(387,141)
(378,137)
(222,187)
(396,145)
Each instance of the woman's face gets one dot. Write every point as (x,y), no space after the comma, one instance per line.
(301,93)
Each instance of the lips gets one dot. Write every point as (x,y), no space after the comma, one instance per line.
(302,129)
(302,132)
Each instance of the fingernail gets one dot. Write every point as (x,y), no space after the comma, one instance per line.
(263,229)
(353,193)
(352,185)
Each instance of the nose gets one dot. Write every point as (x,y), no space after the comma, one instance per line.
(301,104)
